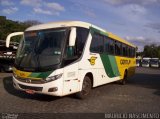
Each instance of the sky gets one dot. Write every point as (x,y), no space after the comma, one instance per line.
(137,21)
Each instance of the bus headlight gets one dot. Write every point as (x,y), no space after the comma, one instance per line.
(52,78)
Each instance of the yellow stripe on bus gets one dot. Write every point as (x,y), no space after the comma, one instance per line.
(125,63)
(23,74)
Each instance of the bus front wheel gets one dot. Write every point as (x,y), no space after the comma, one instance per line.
(86,88)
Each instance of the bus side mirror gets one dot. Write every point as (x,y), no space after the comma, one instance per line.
(72,37)
(11,35)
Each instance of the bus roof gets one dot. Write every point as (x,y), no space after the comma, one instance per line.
(155,58)
(146,58)
(59,24)
(77,24)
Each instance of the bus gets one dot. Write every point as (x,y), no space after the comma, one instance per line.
(62,58)
(7,56)
(146,62)
(138,62)
(154,62)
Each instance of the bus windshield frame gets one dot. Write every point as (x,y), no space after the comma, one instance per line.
(145,61)
(40,50)
(154,61)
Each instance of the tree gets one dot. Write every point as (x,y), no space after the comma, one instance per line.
(31,22)
(8,26)
(151,51)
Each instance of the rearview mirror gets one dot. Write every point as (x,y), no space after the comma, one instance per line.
(72,37)
(11,35)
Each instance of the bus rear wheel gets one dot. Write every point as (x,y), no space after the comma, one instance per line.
(86,88)
(123,81)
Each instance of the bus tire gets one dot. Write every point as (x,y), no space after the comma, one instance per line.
(123,81)
(86,88)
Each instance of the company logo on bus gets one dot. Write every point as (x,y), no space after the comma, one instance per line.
(92,60)
(123,62)
(22,74)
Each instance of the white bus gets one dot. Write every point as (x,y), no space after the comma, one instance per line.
(146,62)
(138,62)
(62,58)
(154,62)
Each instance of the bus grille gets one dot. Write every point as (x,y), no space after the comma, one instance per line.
(32,81)
(31,88)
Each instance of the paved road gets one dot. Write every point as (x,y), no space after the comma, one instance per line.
(141,94)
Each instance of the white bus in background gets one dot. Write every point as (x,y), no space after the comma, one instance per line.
(154,62)
(146,62)
(138,62)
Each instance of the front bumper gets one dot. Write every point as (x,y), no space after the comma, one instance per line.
(154,65)
(143,65)
(41,88)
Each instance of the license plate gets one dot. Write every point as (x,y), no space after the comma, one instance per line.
(30,91)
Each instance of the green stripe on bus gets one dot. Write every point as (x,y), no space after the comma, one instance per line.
(35,75)
(107,65)
(110,65)
(44,74)
(114,65)
(41,75)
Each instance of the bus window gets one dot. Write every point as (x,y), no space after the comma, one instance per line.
(106,44)
(129,52)
(82,34)
(133,52)
(118,49)
(111,46)
(76,51)
(97,43)
(124,49)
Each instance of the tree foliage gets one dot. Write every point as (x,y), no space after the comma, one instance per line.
(151,51)
(8,26)
(31,22)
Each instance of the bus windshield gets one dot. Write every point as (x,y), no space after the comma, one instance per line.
(145,61)
(40,49)
(154,61)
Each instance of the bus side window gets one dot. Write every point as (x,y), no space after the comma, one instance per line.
(124,47)
(133,52)
(76,51)
(130,52)
(82,35)
(112,47)
(109,45)
(96,43)
(106,44)
(127,51)
(118,46)
(121,51)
